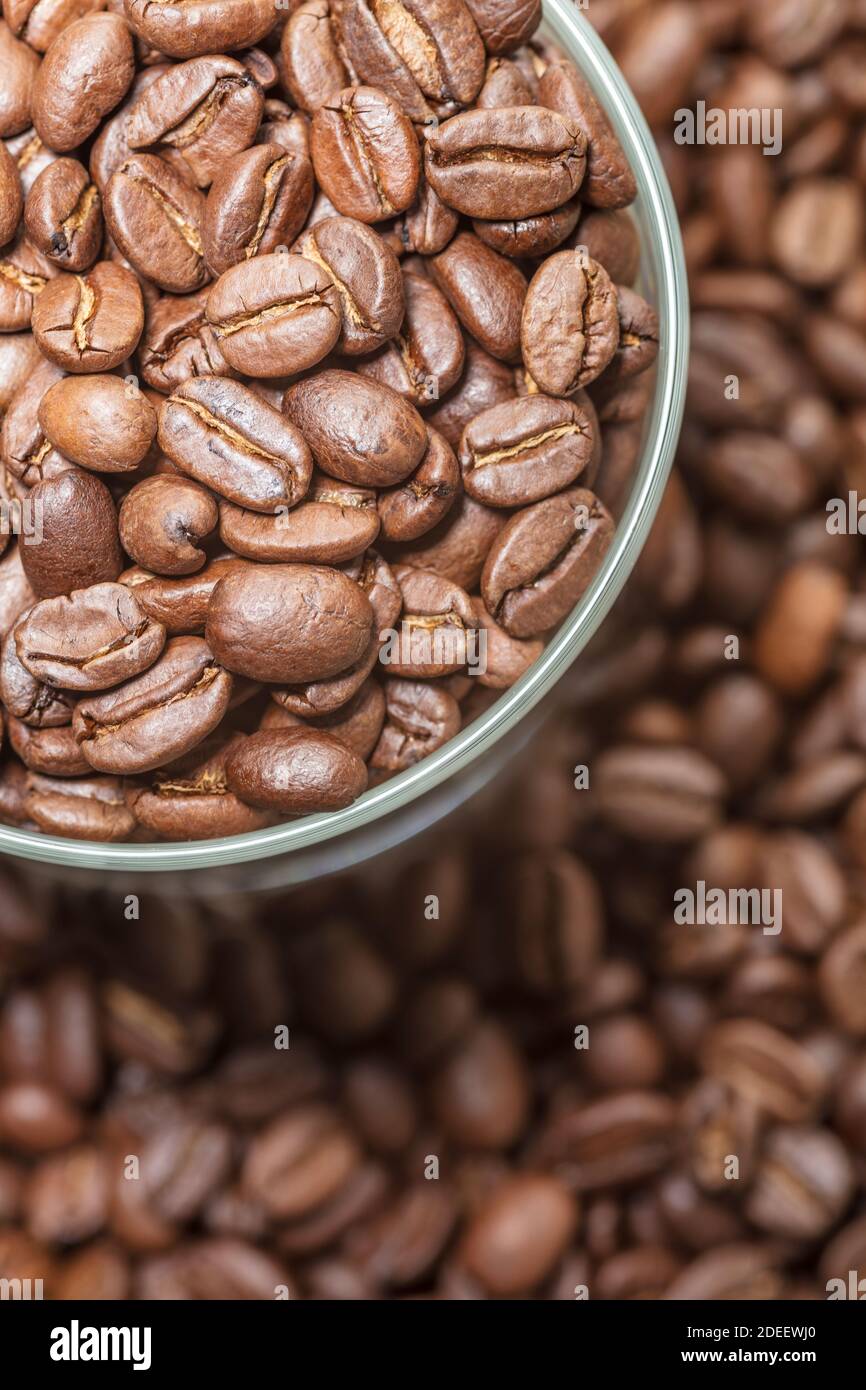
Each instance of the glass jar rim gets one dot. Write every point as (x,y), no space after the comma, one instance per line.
(573,32)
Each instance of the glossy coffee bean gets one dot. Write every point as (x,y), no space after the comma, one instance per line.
(90,322)
(154,216)
(334,523)
(258,200)
(99,422)
(161,520)
(83,76)
(524,450)
(570,326)
(296,772)
(420,717)
(211,26)
(229,440)
(89,640)
(366,275)
(365,154)
(288,623)
(24,273)
(156,716)
(11,196)
(336,410)
(509,162)
(415,506)
(505,24)
(79,544)
(63,215)
(486,292)
(179,343)
(609,182)
(426,356)
(275,315)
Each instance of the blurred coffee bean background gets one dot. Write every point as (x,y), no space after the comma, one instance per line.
(506,1068)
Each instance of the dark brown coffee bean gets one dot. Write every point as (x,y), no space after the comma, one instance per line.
(11,196)
(334,523)
(359,431)
(765,1067)
(26,698)
(90,640)
(365,154)
(228,439)
(24,273)
(296,771)
(798,626)
(510,162)
(258,201)
(91,322)
(98,422)
(570,327)
(79,545)
(428,57)
(436,627)
(667,794)
(610,1142)
(840,976)
(179,343)
(195,805)
(518,1236)
(20,66)
(53,752)
(154,216)
(157,715)
(67,1197)
(417,505)
(480,1092)
(366,275)
(457,546)
(275,315)
(37,1119)
(300,1160)
(63,215)
(611,238)
(543,560)
(504,85)
(211,26)
(288,622)
(428,225)
(524,450)
(419,718)
(426,355)
(79,808)
(83,76)
(530,236)
(506,658)
(162,520)
(505,24)
(311,60)
(179,604)
(486,292)
(485,382)
(207,110)
(609,182)
(357,723)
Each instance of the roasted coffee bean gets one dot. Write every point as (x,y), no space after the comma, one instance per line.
(313,66)
(570,326)
(194,805)
(426,356)
(366,274)
(11,196)
(505,24)
(275,315)
(295,771)
(179,604)
(90,640)
(436,627)
(524,450)
(506,658)
(357,723)
(63,215)
(300,1160)
(509,162)
(20,66)
(765,1067)
(530,236)
(419,718)
(336,410)
(207,110)
(504,85)
(91,322)
(154,216)
(99,422)
(179,343)
(334,523)
(543,560)
(611,238)
(82,77)
(212,26)
(802,1185)
(36,1119)
(24,273)
(518,1236)
(365,154)
(157,715)
(414,507)
(53,752)
(79,544)
(428,57)
(667,794)
(26,698)
(486,292)
(428,225)
(458,545)
(609,182)
(258,201)
(230,440)
(162,519)
(485,382)
(289,623)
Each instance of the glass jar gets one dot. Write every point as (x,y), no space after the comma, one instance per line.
(399,809)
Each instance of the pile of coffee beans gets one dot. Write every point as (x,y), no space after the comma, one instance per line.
(317,341)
